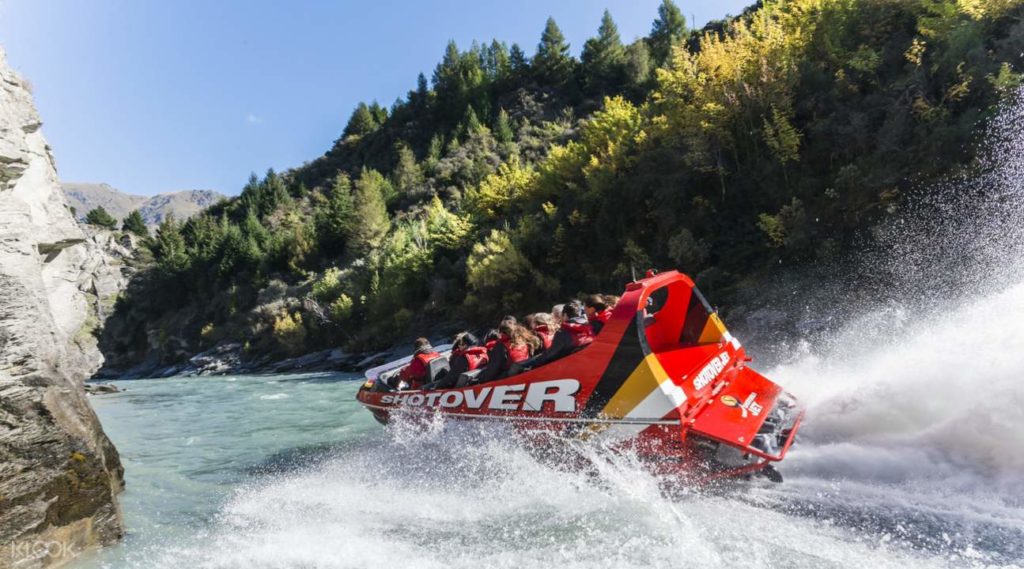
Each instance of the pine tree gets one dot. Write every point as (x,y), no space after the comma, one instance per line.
(168,248)
(637,70)
(371,221)
(518,63)
(470,122)
(362,122)
(668,29)
(100,218)
(407,177)
(421,96)
(333,219)
(133,222)
(498,61)
(434,151)
(503,128)
(603,59)
(380,114)
(552,64)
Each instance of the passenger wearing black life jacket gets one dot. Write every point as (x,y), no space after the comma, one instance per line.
(574,333)
(512,346)
(467,355)
(416,373)
(598,312)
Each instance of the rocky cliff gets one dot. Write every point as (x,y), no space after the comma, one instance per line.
(59,474)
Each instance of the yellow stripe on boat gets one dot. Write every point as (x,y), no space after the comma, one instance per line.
(644,380)
(714,330)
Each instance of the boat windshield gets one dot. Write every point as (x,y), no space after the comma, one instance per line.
(677,314)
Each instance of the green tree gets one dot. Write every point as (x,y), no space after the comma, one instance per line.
(552,64)
(169,249)
(361,123)
(518,62)
(334,217)
(371,215)
(470,123)
(668,29)
(407,177)
(503,128)
(100,218)
(637,70)
(603,59)
(133,222)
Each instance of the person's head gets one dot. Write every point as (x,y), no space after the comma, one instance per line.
(507,328)
(611,300)
(529,321)
(465,340)
(571,310)
(593,304)
(556,313)
(542,319)
(492,336)
(422,345)
(510,318)
(516,334)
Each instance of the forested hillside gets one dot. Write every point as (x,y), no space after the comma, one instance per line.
(508,180)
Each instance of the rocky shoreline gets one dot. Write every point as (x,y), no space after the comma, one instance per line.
(230,359)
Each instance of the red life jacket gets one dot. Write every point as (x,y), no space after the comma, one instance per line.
(582,334)
(417,370)
(515,353)
(603,317)
(544,334)
(476,356)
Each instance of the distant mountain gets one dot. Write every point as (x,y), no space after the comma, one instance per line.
(84,197)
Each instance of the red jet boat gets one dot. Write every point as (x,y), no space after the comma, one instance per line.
(663,379)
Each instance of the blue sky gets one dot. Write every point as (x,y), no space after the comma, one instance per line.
(154,96)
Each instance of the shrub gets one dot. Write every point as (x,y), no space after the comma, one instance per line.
(290,332)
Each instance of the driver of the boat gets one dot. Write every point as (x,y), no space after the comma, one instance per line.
(414,375)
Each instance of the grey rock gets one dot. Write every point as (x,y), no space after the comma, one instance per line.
(59,473)
(96,388)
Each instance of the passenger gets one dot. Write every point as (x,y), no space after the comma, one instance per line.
(611,300)
(416,373)
(467,355)
(574,333)
(542,325)
(597,312)
(556,315)
(491,338)
(512,347)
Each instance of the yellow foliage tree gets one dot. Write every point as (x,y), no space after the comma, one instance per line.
(509,184)
(444,228)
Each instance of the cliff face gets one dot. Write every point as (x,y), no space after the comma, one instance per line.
(59,474)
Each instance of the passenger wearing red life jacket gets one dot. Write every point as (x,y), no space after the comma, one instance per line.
(467,355)
(574,333)
(417,372)
(598,312)
(541,325)
(513,346)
